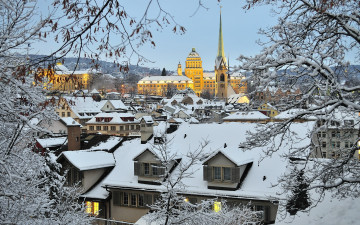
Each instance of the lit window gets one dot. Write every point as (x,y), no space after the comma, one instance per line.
(92,208)
(217,206)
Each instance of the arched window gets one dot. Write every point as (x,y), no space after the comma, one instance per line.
(222,78)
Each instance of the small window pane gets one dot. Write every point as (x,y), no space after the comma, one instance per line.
(217,173)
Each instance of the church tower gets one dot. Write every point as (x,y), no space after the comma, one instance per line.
(221,70)
(179,70)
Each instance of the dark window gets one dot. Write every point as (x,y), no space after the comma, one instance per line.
(222,77)
(141,200)
(113,128)
(226,171)
(154,169)
(68,114)
(217,173)
(146,169)
(133,199)
(126,199)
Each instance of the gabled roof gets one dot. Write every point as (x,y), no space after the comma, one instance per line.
(88,160)
(84,105)
(118,104)
(147,119)
(70,122)
(252,115)
(188,137)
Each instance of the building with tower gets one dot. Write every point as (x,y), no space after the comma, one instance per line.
(220,83)
(221,70)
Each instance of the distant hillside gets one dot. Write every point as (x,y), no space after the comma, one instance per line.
(105,67)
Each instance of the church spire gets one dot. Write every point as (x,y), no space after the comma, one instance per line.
(220,58)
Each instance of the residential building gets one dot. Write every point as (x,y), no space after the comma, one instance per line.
(224,173)
(120,124)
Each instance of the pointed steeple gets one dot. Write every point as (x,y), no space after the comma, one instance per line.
(220,58)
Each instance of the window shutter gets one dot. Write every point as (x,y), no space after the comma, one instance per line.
(235,174)
(136,168)
(116,197)
(147,199)
(266,214)
(207,173)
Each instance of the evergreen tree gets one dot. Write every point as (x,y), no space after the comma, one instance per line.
(299,199)
(163,72)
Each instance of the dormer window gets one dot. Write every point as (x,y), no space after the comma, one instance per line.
(147,169)
(222,173)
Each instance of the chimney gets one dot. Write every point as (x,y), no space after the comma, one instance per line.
(146,128)
(74,132)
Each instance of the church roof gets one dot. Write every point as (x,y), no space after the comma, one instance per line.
(220,58)
(193,54)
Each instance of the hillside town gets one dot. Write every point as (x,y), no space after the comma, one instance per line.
(273,139)
(112,143)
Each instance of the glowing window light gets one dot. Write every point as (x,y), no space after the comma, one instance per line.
(217,206)
(88,207)
(96,208)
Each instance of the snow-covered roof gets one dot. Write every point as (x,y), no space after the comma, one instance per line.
(70,121)
(107,145)
(193,120)
(252,115)
(118,104)
(89,160)
(148,119)
(253,187)
(84,107)
(116,118)
(51,142)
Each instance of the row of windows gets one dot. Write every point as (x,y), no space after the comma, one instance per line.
(337,134)
(133,199)
(221,174)
(148,169)
(113,128)
(337,144)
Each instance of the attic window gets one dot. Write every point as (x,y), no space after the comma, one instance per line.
(99,119)
(108,119)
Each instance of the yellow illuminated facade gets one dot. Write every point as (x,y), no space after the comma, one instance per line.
(216,83)
(194,71)
(62,79)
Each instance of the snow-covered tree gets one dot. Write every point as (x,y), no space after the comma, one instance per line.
(173,208)
(311,47)
(31,190)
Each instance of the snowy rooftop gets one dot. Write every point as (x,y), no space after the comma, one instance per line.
(116,118)
(70,121)
(118,104)
(51,142)
(252,115)
(89,160)
(83,105)
(253,187)
(148,119)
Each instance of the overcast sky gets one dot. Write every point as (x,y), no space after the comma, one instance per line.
(240,29)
